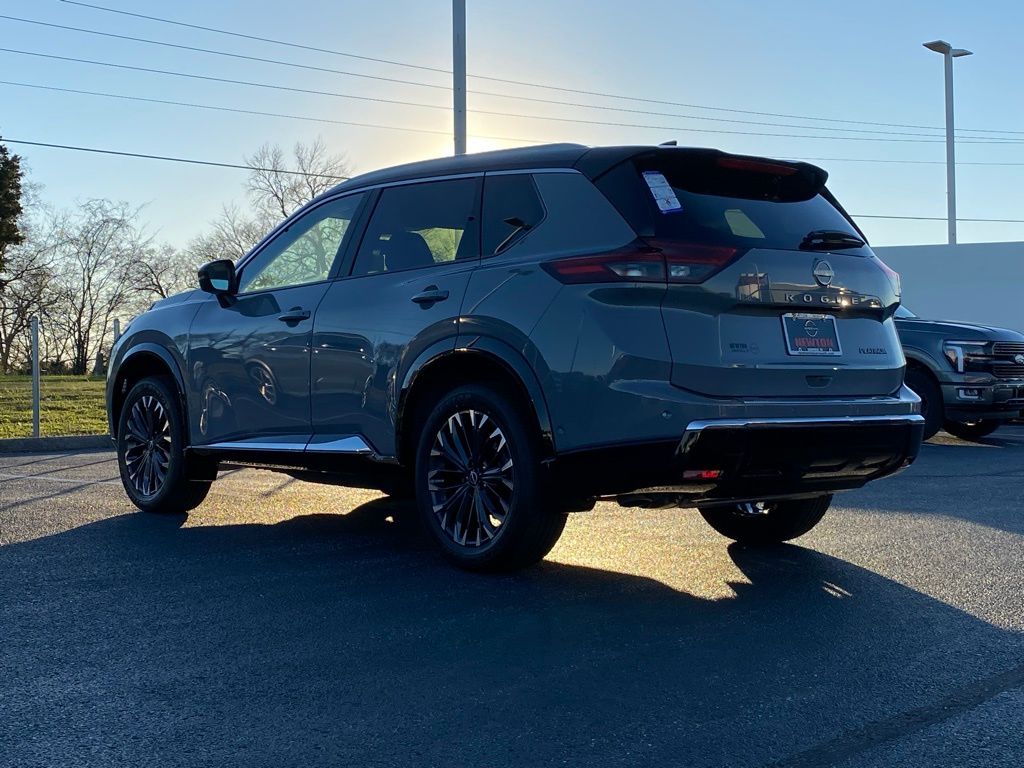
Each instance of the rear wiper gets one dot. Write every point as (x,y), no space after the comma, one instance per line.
(826,239)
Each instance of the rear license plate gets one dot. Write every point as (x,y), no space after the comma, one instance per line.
(809,334)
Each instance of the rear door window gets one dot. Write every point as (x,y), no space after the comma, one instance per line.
(512,207)
(421,225)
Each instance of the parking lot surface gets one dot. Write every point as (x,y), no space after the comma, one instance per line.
(286,624)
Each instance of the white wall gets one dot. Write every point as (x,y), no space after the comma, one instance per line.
(975,282)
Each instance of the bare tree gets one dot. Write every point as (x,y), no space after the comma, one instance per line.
(25,279)
(97,253)
(232,236)
(280,186)
(163,271)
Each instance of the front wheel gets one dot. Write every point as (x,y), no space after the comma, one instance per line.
(932,405)
(972,430)
(155,473)
(766,522)
(478,483)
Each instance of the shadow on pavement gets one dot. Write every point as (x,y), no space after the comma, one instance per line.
(978,483)
(343,639)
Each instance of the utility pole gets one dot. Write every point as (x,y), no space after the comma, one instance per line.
(459,73)
(35,376)
(949,53)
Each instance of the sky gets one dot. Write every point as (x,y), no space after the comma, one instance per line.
(841,61)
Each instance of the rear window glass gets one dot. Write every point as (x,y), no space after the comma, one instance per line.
(698,203)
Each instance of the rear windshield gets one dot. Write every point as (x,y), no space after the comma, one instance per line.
(708,204)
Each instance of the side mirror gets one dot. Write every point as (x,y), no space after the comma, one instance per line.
(218,277)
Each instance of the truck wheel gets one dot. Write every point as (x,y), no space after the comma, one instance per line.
(932,407)
(151,452)
(478,484)
(972,430)
(764,523)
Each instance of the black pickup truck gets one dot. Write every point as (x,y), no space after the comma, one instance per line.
(970,378)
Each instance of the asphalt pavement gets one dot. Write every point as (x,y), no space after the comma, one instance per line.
(289,624)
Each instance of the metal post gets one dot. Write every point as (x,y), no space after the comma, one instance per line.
(948,54)
(950,151)
(35,376)
(459,73)
(117,329)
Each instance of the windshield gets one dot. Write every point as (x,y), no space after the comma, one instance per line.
(904,314)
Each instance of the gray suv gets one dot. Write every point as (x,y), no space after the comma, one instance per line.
(508,337)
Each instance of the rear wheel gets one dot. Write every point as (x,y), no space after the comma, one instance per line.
(150,452)
(478,484)
(972,430)
(764,523)
(932,407)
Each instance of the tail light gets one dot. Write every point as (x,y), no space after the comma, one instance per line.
(754,165)
(893,275)
(637,263)
(646,261)
(693,262)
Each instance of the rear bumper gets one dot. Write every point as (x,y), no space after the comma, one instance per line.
(750,458)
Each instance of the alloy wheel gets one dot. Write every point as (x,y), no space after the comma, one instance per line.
(471,478)
(147,452)
(754,509)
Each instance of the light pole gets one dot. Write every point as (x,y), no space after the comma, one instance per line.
(949,53)
(459,73)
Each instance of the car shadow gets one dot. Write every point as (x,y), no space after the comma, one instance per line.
(984,482)
(333,639)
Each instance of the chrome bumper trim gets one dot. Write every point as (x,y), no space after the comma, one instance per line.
(695,428)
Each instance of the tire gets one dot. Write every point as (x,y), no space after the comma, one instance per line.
(151,425)
(478,484)
(972,430)
(932,406)
(767,523)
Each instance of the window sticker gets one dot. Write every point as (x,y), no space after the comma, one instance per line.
(663,193)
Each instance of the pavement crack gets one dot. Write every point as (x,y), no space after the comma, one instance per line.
(881,732)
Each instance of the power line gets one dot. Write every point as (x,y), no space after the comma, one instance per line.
(518,139)
(228,54)
(192,161)
(507,81)
(556,102)
(934,218)
(235,110)
(895,160)
(550,118)
(169,159)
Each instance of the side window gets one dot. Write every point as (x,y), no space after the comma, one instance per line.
(419,225)
(305,251)
(511,208)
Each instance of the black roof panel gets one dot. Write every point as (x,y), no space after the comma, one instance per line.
(591,161)
(543,156)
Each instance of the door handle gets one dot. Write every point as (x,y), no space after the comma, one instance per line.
(294,315)
(430,295)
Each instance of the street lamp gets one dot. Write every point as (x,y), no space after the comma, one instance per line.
(949,53)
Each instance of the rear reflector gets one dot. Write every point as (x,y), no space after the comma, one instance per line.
(646,261)
(702,474)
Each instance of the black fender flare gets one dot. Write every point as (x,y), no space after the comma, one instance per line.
(497,351)
(145,348)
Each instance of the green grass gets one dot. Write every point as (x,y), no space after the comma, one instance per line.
(71,405)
